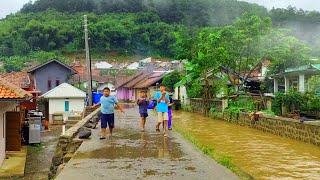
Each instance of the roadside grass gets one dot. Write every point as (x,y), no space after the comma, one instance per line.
(212,153)
(35,147)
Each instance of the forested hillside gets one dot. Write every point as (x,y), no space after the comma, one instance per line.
(49,28)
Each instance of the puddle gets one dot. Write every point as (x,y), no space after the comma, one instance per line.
(134,145)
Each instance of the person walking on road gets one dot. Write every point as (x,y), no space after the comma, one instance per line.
(143,103)
(108,104)
(162,98)
(170,112)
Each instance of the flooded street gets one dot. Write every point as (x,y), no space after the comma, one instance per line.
(131,154)
(263,155)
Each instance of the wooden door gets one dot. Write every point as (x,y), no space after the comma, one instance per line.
(13,131)
(46,110)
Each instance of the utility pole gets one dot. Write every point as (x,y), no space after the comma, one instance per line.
(88,61)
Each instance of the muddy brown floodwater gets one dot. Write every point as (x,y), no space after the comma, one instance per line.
(263,155)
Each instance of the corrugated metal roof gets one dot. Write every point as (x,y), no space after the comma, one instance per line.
(148,82)
(127,80)
(49,62)
(303,68)
(136,80)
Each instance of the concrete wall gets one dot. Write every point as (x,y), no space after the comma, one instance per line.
(57,105)
(69,143)
(53,72)
(4,107)
(196,105)
(286,127)
(280,126)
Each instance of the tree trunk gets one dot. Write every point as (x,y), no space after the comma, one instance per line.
(206,102)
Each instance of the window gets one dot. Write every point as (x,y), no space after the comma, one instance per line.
(294,84)
(49,85)
(57,82)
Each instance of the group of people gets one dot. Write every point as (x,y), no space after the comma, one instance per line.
(161,102)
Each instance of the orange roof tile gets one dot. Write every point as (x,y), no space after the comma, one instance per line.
(10,91)
(20,79)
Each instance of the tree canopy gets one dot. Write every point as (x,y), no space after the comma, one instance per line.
(203,31)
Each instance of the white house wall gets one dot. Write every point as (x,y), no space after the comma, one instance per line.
(57,105)
(181,93)
(4,107)
(77,105)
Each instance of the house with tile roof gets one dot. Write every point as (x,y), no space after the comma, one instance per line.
(296,78)
(10,96)
(22,80)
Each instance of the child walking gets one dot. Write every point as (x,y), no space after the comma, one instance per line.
(107,103)
(170,112)
(162,98)
(143,109)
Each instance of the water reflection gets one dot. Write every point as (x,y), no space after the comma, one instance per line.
(166,148)
(133,145)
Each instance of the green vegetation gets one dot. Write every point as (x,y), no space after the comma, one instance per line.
(211,152)
(171,79)
(241,104)
(36,148)
(303,24)
(17,63)
(296,102)
(314,84)
(199,12)
(223,57)
(208,32)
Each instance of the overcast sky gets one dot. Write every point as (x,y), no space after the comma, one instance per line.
(304,4)
(12,6)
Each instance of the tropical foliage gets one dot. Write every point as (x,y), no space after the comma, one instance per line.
(171,79)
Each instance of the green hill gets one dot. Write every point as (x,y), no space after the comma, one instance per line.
(49,28)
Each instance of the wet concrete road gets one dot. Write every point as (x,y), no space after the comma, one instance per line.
(131,154)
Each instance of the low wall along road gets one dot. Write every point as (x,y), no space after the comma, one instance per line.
(280,126)
(68,144)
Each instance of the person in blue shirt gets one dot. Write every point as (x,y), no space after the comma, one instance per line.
(162,98)
(108,104)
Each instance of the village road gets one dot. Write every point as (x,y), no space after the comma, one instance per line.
(131,154)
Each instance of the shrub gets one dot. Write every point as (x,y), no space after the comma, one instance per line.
(296,101)
(241,104)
